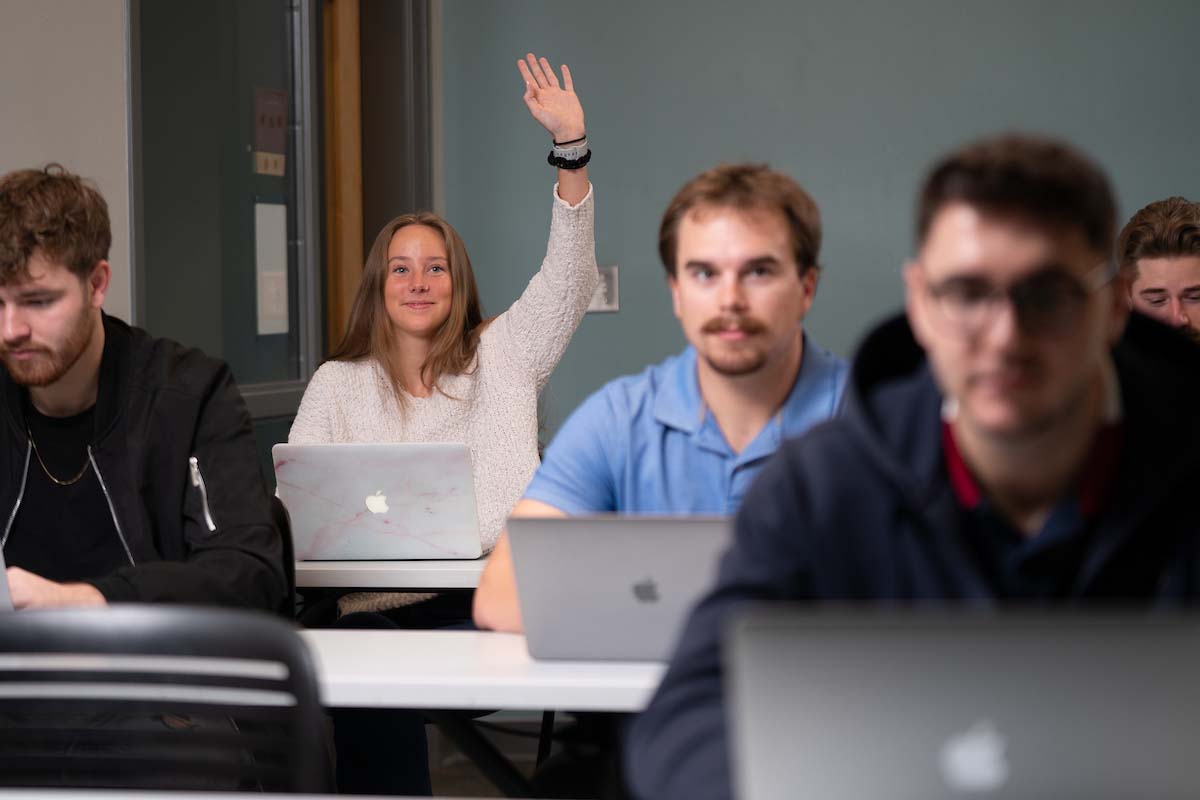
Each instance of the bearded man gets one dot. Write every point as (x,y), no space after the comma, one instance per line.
(128,469)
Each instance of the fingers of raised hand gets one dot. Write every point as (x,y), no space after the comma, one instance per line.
(548,70)
(568,84)
(526,75)
(535,69)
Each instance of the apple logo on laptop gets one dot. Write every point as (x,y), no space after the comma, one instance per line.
(974,761)
(646,591)
(377,503)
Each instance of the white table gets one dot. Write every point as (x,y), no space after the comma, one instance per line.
(460,574)
(468,670)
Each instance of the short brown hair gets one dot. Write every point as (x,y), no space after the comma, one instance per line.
(1164,229)
(1043,179)
(746,187)
(55,211)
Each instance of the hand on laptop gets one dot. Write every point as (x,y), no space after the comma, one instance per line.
(33,591)
(496,606)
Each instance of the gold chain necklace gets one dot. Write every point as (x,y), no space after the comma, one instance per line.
(46,469)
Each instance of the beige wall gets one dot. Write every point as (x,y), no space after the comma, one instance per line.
(64,97)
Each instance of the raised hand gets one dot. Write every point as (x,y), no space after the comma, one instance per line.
(556,108)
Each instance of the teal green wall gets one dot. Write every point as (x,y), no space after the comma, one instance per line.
(852,98)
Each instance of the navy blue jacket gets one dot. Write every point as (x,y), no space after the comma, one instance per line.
(861,509)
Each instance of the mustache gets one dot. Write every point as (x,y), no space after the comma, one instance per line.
(746,324)
(6,348)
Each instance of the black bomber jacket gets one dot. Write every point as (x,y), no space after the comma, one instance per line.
(174,452)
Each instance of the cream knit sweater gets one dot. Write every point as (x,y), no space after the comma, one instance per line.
(495,407)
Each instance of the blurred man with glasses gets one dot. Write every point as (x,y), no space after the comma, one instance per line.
(1012,437)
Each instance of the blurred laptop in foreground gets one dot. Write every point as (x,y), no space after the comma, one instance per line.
(927,705)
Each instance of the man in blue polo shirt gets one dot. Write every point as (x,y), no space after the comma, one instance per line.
(688,435)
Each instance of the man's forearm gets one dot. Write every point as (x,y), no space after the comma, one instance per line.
(496,605)
(81,594)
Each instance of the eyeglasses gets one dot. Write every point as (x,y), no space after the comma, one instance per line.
(1047,303)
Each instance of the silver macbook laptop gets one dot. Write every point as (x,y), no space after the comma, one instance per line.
(926,706)
(378,501)
(5,595)
(611,587)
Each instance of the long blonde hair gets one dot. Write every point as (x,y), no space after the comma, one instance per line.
(369,331)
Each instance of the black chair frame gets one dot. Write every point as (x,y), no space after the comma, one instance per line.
(159,697)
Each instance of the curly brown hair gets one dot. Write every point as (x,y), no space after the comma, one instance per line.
(1164,229)
(746,187)
(56,212)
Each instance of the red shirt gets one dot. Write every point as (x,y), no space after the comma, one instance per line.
(1042,566)
(1099,471)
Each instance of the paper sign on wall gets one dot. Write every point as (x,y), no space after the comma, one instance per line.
(270,267)
(270,131)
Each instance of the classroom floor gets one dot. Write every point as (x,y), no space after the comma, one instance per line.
(454,775)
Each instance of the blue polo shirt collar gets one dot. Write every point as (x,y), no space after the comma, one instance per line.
(679,405)
(677,400)
(816,394)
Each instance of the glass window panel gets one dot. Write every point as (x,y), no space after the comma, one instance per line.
(218,182)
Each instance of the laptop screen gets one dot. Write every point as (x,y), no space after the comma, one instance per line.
(829,703)
(5,594)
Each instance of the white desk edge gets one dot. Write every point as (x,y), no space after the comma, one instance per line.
(468,670)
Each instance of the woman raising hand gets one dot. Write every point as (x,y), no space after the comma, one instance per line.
(419,363)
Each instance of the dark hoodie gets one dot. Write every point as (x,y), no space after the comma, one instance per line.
(174,452)
(861,508)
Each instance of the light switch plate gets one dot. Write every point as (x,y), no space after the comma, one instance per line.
(607,296)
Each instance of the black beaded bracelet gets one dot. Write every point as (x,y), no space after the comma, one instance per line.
(573,141)
(566,163)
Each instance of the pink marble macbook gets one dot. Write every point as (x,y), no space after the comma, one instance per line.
(371,502)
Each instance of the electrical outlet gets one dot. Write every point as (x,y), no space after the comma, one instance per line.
(607,296)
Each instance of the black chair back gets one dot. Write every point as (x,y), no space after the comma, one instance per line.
(159,697)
